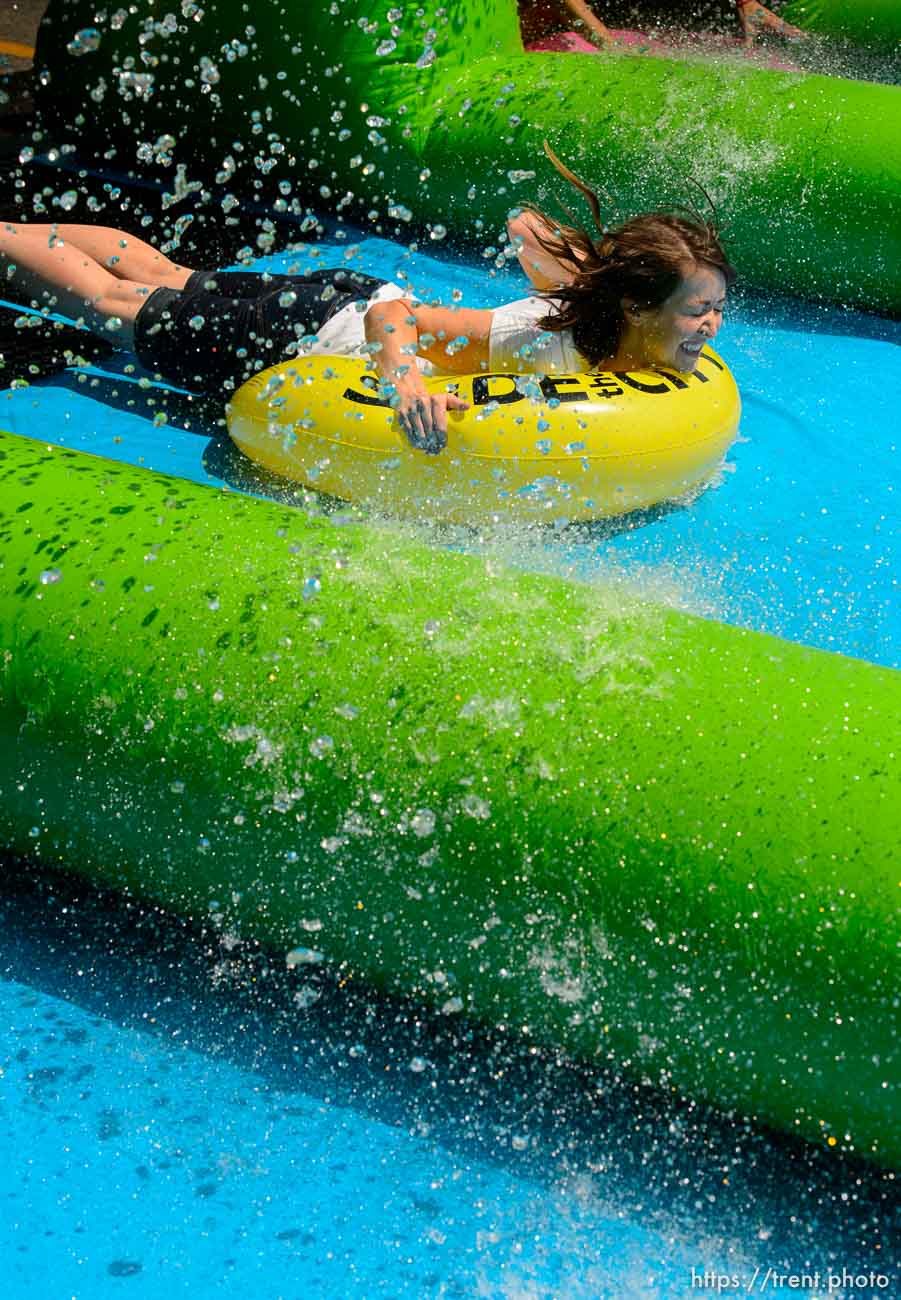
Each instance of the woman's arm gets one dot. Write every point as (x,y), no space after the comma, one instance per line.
(544,270)
(456,342)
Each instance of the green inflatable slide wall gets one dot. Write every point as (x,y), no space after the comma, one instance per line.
(652,840)
(435,113)
(875,23)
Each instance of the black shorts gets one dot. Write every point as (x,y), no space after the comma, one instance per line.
(225,325)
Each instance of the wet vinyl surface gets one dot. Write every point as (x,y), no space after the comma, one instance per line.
(180,1114)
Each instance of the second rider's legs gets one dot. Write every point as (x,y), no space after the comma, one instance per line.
(96,274)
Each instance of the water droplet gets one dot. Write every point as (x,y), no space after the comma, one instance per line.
(321,746)
(422,823)
(385,47)
(303,957)
(197,322)
(476,807)
(50,576)
(418,1064)
(84,42)
(209,73)
(431,627)
(68,200)
(437,232)
(311,588)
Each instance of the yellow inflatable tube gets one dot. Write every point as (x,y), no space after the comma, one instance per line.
(530,446)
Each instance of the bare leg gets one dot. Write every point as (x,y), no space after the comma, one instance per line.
(54,275)
(125,256)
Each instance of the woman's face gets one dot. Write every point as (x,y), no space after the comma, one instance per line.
(673,334)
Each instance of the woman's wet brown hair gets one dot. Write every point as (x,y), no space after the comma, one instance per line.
(643,260)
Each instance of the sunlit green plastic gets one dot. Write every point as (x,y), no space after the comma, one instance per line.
(652,840)
(805,170)
(867,22)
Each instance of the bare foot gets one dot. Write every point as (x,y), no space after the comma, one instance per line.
(756,20)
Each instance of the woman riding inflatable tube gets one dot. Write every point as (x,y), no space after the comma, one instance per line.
(439,113)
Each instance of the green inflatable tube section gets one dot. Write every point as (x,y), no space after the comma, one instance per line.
(436,116)
(875,23)
(655,841)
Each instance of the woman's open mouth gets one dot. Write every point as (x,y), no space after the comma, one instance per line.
(687,354)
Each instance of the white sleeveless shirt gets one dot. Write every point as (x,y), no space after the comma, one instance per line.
(516,343)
